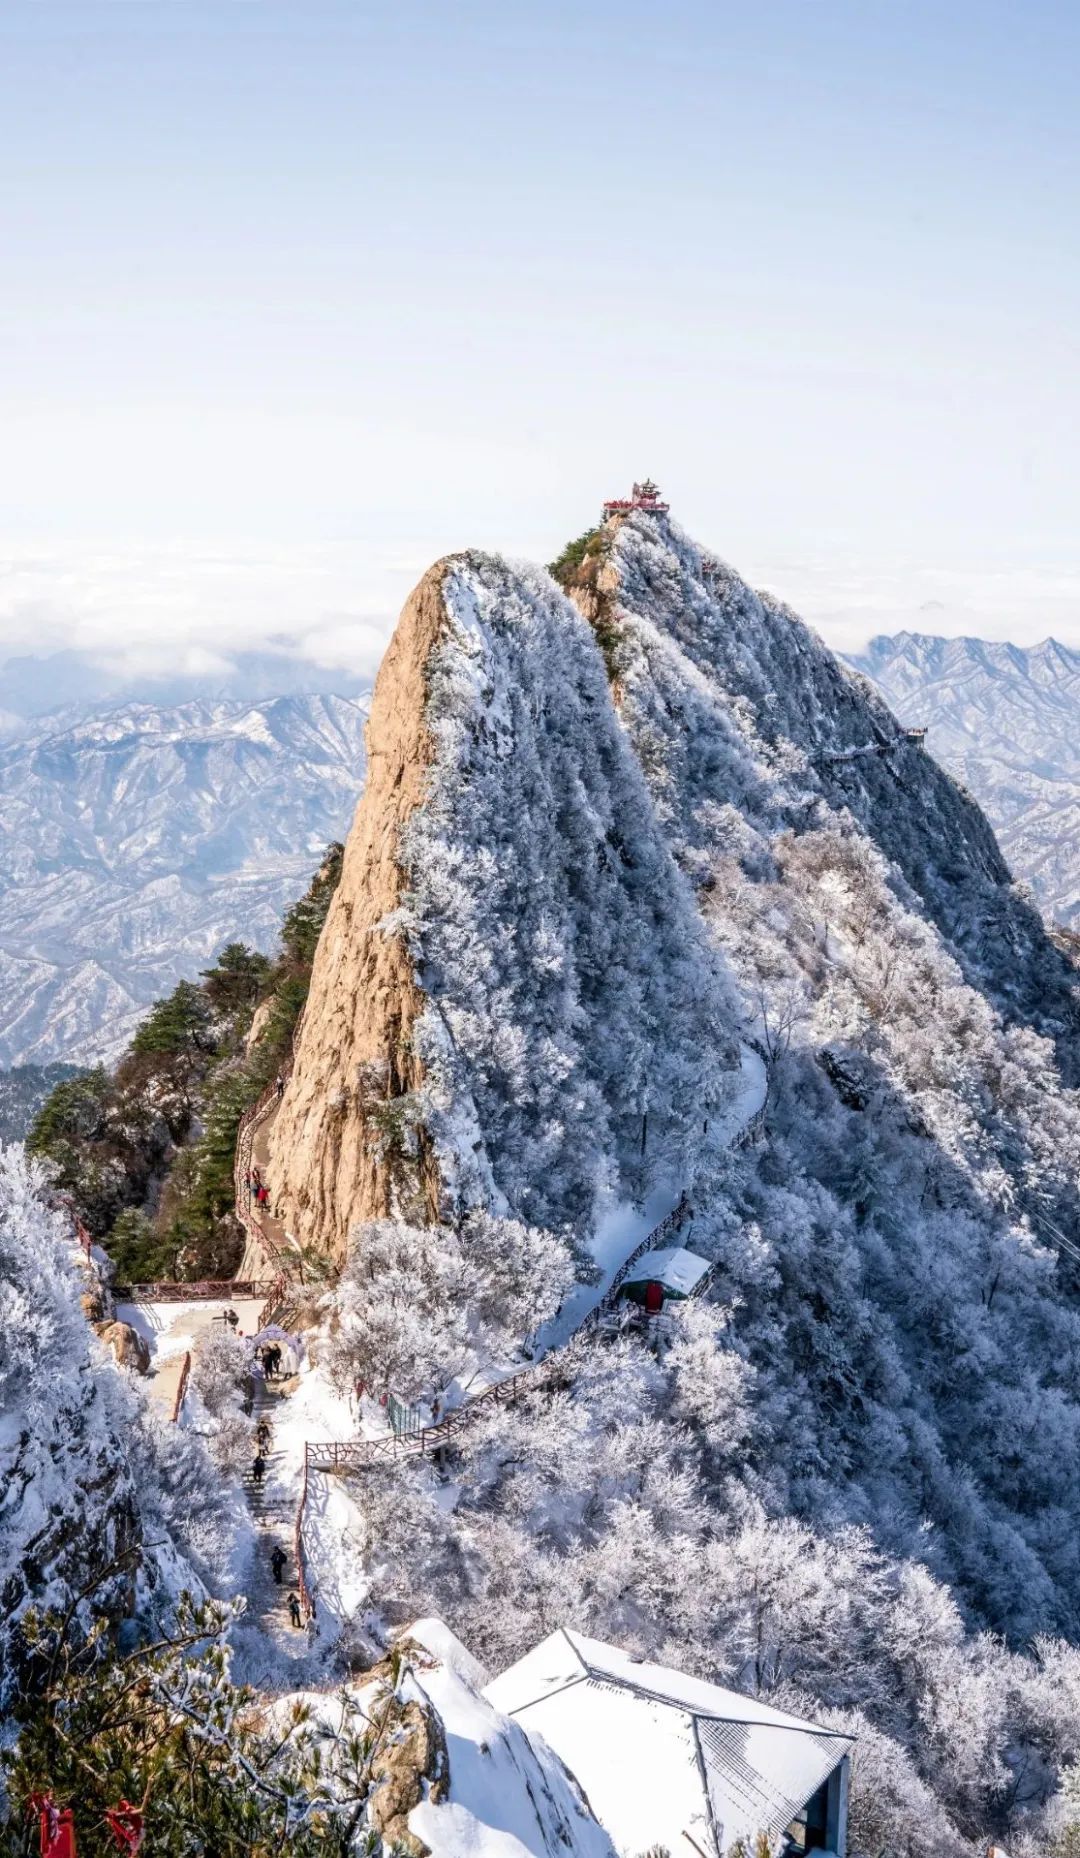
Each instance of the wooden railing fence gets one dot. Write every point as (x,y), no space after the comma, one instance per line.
(181,1388)
(204,1290)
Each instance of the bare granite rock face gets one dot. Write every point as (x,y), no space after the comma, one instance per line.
(413,1765)
(129,1348)
(329,1167)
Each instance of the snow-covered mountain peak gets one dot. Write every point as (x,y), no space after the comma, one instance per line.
(509,918)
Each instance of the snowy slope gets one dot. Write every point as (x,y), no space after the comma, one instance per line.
(513,969)
(510,1796)
(1006,721)
(100,1503)
(136,842)
(739,710)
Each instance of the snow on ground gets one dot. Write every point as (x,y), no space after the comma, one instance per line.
(618,1234)
(623,1227)
(170,1328)
(750,1093)
(509,1797)
(315,1411)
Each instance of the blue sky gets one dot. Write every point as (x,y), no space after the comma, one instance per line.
(297,294)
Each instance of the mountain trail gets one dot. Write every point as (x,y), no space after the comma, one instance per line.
(266,1237)
(273,1509)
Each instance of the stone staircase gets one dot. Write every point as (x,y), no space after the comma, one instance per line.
(273,1509)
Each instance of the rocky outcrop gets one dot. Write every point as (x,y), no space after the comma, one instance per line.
(129,1348)
(412,1765)
(333,1151)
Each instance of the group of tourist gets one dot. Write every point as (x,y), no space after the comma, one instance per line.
(258,1191)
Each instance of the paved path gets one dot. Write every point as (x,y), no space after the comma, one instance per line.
(258,1256)
(170,1328)
(165,1381)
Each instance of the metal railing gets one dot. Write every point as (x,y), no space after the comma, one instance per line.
(274,1302)
(671,1223)
(388,1448)
(212,1290)
(343,1456)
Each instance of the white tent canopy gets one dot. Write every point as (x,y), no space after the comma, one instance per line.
(669,1760)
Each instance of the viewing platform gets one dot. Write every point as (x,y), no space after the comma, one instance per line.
(645,496)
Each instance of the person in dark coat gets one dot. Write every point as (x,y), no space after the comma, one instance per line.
(263,1435)
(278,1558)
(258,1469)
(294,1611)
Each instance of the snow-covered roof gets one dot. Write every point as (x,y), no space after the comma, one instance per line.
(665,1759)
(679,1271)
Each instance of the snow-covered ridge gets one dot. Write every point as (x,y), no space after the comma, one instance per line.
(135,843)
(570,1026)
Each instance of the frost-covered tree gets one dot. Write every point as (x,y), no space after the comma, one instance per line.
(210,1766)
(579,1024)
(418,1305)
(106,1510)
(69,1519)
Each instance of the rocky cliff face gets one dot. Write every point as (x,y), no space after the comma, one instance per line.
(354,1048)
(520,997)
(736,708)
(514,1003)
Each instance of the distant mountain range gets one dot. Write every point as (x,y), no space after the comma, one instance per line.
(1005,721)
(35,687)
(136,840)
(137,837)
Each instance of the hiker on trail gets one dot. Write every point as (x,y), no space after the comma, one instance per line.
(273,1361)
(231,1318)
(279,1083)
(262,1435)
(250,1183)
(258,1469)
(294,1611)
(278,1558)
